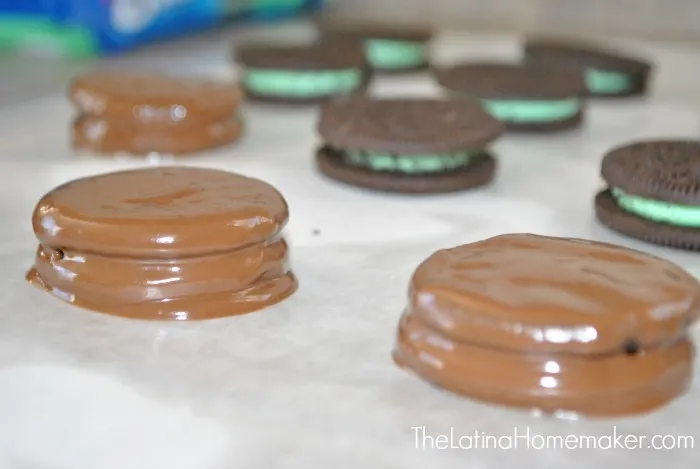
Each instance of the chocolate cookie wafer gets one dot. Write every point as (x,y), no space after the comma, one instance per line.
(533,98)
(653,193)
(302,74)
(609,73)
(407,145)
(389,48)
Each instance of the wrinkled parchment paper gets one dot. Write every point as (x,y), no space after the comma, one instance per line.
(308,383)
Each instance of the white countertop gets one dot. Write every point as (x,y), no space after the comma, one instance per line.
(308,383)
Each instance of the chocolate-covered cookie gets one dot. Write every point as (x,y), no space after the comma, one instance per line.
(389,48)
(535,98)
(142,114)
(653,193)
(152,99)
(407,145)
(553,324)
(101,136)
(302,74)
(609,73)
(172,243)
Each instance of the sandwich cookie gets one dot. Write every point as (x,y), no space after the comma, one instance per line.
(389,49)
(608,73)
(170,243)
(142,114)
(653,193)
(407,145)
(302,74)
(551,324)
(529,98)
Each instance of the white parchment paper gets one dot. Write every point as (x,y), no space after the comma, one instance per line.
(308,383)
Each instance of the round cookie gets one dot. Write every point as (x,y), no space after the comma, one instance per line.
(389,49)
(193,211)
(307,74)
(654,192)
(98,135)
(164,243)
(407,145)
(153,100)
(525,98)
(608,73)
(553,324)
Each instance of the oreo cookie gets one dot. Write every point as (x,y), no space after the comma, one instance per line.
(653,193)
(608,73)
(302,74)
(389,49)
(407,145)
(536,98)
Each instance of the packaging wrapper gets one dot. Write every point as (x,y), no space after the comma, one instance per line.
(85,28)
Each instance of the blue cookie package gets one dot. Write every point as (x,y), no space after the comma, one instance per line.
(84,28)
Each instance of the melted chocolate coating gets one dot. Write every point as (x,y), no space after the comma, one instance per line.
(529,293)
(547,323)
(155,100)
(164,243)
(607,385)
(108,137)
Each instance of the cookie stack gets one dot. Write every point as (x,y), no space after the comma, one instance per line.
(552,324)
(171,243)
(140,114)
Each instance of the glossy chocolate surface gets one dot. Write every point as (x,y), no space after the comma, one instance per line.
(155,100)
(164,243)
(552,324)
(606,385)
(109,137)
(534,293)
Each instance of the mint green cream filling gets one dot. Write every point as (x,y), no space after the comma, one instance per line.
(533,111)
(409,164)
(607,82)
(658,211)
(392,54)
(302,83)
